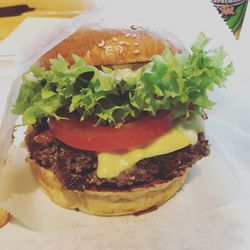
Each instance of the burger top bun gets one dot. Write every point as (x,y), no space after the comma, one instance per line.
(100,44)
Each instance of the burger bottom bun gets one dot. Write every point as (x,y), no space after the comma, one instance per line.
(106,203)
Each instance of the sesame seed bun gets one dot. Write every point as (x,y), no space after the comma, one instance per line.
(106,203)
(104,45)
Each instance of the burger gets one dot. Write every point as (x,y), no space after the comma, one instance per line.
(115,116)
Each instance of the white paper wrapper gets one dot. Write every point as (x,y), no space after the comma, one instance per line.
(217,190)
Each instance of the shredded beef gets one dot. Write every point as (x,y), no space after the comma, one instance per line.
(76,169)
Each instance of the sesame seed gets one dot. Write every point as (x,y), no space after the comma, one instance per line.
(134,35)
(108,49)
(127,35)
(115,39)
(101,44)
(120,51)
(136,44)
(133,27)
(136,52)
(121,42)
(126,43)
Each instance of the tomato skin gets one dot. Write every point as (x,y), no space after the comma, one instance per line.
(83,135)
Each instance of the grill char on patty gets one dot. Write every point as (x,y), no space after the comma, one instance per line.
(76,169)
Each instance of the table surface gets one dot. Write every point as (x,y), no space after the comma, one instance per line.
(14,12)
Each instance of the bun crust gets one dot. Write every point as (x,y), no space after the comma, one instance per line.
(101,45)
(106,203)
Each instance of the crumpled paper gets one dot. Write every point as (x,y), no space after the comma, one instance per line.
(217,182)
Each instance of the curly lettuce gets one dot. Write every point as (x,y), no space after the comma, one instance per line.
(114,96)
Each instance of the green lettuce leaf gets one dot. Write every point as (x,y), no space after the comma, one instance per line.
(114,96)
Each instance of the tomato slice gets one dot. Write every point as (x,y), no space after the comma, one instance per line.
(83,135)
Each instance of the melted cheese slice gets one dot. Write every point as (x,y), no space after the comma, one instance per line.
(110,164)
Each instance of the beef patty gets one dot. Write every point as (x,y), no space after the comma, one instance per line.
(76,169)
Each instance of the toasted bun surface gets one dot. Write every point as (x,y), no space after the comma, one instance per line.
(104,45)
(106,203)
